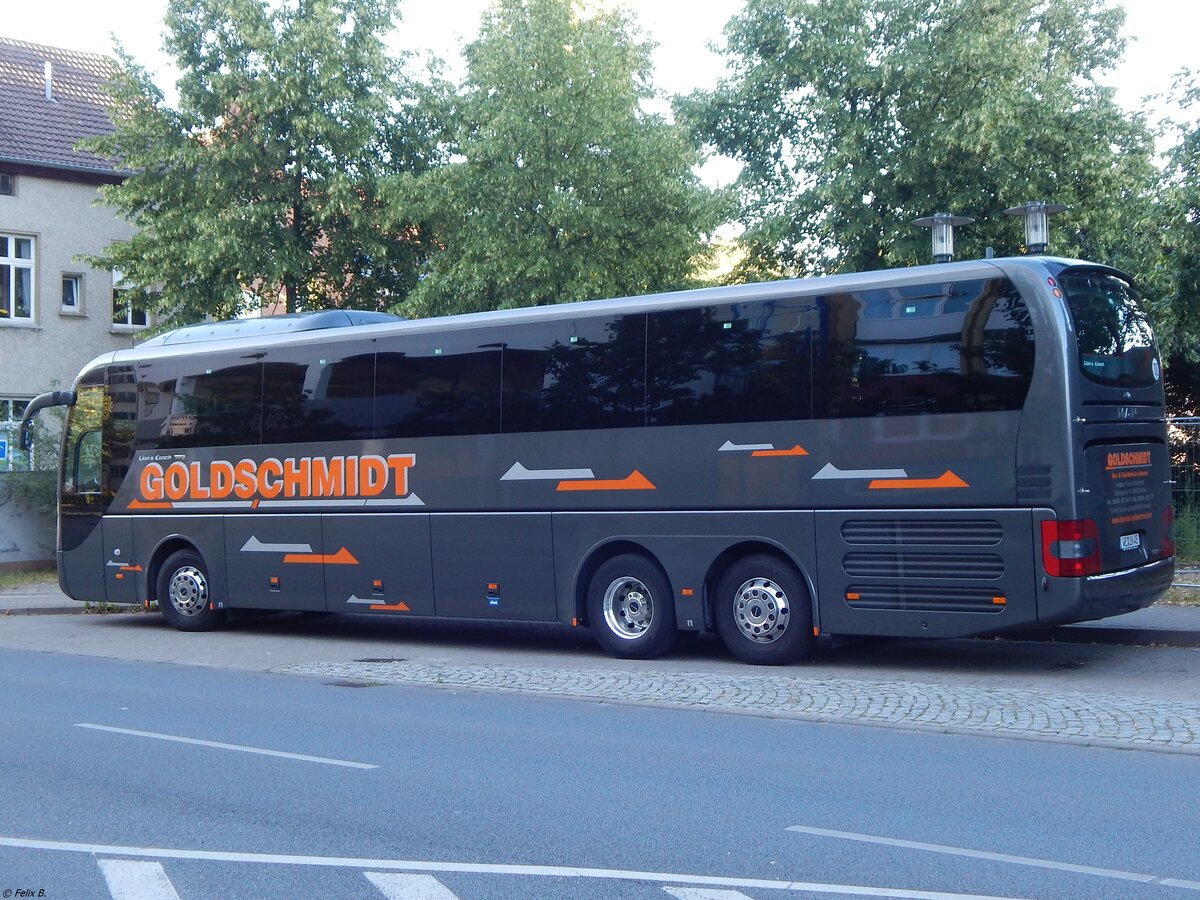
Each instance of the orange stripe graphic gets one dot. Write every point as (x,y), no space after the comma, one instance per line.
(398,607)
(946,480)
(142,504)
(634,481)
(131,568)
(795,451)
(342,558)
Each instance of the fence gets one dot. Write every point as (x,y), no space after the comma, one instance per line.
(1184,435)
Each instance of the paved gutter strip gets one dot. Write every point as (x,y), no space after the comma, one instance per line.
(1096,719)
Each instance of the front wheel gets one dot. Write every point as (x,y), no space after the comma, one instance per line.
(630,609)
(184,594)
(763,612)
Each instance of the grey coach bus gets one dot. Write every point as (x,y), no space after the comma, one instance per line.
(946,450)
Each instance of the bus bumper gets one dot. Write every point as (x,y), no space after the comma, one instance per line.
(1104,595)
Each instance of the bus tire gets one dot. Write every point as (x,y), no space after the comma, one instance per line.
(184,593)
(763,611)
(630,610)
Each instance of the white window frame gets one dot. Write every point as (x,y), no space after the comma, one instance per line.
(13,264)
(77,309)
(12,184)
(128,325)
(10,428)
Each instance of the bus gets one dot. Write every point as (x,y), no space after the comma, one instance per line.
(951,450)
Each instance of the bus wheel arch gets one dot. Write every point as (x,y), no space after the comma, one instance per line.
(627,601)
(761,604)
(180,580)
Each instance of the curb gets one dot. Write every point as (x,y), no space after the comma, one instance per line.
(1100,634)
(65,611)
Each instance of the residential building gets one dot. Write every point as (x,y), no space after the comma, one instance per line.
(56,312)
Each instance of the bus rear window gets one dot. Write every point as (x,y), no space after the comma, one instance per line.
(1116,345)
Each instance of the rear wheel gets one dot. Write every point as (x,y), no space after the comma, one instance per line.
(630,610)
(184,595)
(763,611)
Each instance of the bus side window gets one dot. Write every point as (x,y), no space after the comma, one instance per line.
(575,373)
(217,405)
(945,347)
(448,385)
(749,362)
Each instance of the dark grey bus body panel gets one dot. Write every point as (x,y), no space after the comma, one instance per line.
(905,477)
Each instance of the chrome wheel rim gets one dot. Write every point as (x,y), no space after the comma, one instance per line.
(761,610)
(188,591)
(628,608)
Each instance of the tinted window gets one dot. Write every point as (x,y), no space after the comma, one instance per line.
(1116,346)
(740,363)
(437,385)
(576,373)
(310,394)
(120,423)
(956,346)
(217,405)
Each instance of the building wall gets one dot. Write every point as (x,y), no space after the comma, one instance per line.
(64,221)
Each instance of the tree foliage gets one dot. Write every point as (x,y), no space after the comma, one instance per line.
(563,188)
(854,117)
(265,181)
(1179,211)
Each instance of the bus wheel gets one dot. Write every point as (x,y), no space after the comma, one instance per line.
(183,593)
(763,613)
(630,610)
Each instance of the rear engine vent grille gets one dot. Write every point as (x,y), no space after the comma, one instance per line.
(982,566)
(1033,484)
(949,532)
(926,599)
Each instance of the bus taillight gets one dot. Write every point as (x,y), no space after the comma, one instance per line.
(1070,548)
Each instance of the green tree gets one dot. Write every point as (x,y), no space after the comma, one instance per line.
(854,117)
(265,180)
(564,188)
(1179,276)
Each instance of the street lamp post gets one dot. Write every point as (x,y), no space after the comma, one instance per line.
(943,233)
(1037,224)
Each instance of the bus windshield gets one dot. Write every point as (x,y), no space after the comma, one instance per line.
(1116,345)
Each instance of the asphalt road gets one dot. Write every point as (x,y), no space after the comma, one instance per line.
(129,770)
(507,780)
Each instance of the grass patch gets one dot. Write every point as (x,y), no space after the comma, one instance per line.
(1178,596)
(15,578)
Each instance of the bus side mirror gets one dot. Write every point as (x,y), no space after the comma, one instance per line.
(36,405)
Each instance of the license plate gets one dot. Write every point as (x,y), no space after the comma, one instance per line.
(1131,541)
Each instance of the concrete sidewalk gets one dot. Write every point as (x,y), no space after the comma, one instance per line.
(39,600)
(1171,626)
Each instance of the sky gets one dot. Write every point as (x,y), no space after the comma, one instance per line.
(1162,42)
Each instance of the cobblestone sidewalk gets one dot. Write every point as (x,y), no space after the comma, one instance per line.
(1094,719)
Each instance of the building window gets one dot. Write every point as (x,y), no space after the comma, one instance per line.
(127,312)
(8,184)
(13,458)
(16,278)
(72,293)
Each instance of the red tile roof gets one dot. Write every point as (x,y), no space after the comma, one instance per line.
(43,133)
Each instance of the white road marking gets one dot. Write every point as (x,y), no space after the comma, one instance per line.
(519,473)
(998,857)
(219,746)
(688,893)
(133,880)
(416,865)
(832,471)
(396,886)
